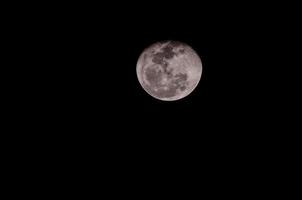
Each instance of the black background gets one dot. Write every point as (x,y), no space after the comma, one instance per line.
(89,69)
(86,88)
(84,106)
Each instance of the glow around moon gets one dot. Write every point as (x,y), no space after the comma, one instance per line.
(169,70)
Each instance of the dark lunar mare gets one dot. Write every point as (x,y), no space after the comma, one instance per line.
(153,76)
(180,80)
(166,53)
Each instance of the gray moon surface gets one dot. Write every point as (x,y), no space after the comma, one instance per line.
(169,70)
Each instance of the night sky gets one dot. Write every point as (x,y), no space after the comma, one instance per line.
(86,97)
(89,71)
(84,117)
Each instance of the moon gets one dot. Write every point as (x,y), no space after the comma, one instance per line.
(169,70)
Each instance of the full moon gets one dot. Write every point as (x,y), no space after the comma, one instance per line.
(169,70)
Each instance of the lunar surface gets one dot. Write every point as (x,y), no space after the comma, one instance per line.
(169,70)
